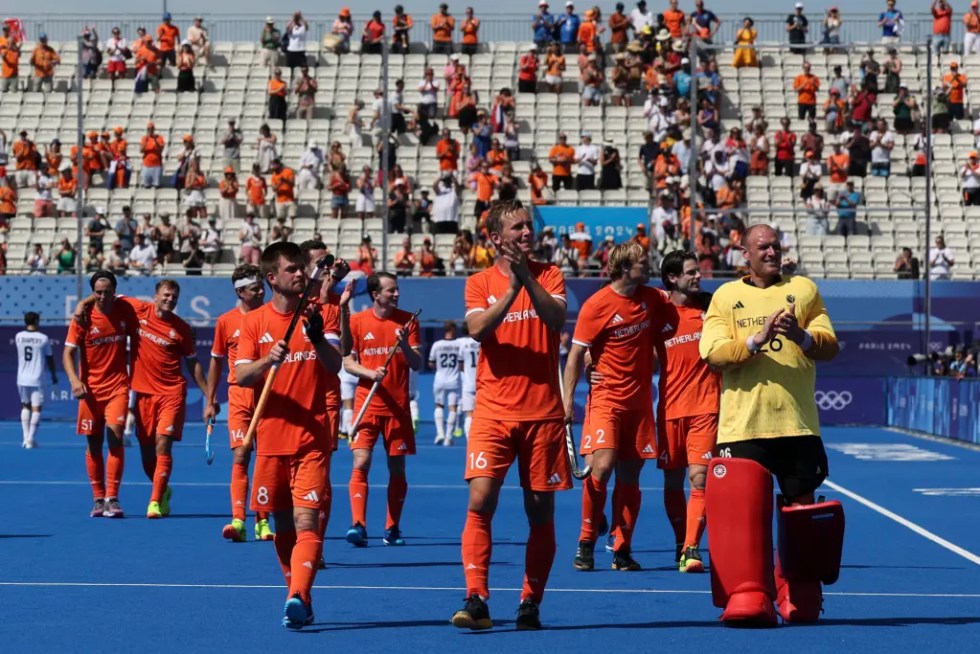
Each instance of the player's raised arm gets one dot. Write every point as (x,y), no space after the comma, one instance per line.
(409,345)
(483,318)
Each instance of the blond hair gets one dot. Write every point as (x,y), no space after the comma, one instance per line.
(629,252)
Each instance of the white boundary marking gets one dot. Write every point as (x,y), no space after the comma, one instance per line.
(908,524)
(454,589)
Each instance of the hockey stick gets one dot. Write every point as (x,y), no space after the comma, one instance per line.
(208,452)
(570,449)
(322,264)
(374,387)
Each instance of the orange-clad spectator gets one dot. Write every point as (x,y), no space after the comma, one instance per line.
(256,190)
(151,147)
(619,24)
(443,26)
(147,67)
(581,242)
(837,165)
(471,32)
(834,110)
(537,181)
(486,183)
(119,144)
(651,79)
(284,186)
(447,151)
(278,88)
(428,261)
(527,75)
(405,259)
(9,61)
(667,165)
(195,183)
(954,83)
(44,59)
(168,36)
(587,33)
(105,150)
(401,24)
(971,23)
(8,199)
(942,23)
(497,157)
(641,237)
(806,86)
(140,41)
(373,35)
(228,190)
(91,162)
(26,158)
(52,154)
(120,170)
(340,188)
(67,187)
(554,68)
(561,157)
(675,20)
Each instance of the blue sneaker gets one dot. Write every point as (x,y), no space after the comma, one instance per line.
(297,614)
(393,536)
(357,535)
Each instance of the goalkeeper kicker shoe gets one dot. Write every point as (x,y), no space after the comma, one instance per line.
(235,532)
(153,511)
(474,615)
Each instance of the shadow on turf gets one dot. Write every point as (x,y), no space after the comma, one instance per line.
(318,628)
(895,622)
(25,535)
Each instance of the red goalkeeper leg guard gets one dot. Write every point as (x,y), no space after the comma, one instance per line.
(738,506)
(811,541)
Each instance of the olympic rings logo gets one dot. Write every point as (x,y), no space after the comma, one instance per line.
(832,400)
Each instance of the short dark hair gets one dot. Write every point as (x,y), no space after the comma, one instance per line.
(309,245)
(32,319)
(102,274)
(245,271)
(450,326)
(374,282)
(673,264)
(167,283)
(499,209)
(271,254)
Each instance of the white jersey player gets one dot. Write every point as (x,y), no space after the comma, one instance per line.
(444,358)
(33,352)
(469,353)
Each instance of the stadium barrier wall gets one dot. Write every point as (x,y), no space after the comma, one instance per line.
(938,406)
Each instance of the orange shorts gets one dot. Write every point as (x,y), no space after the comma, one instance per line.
(685,440)
(159,415)
(283,481)
(631,432)
(397,432)
(94,415)
(538,446)
(241,405)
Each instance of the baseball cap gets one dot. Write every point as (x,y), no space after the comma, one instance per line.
(569,3)
(543,3)
(344,11)
(269,20)
(167,16)
(799,5)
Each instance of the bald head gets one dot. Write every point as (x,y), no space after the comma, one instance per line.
(756,231)
(764,254)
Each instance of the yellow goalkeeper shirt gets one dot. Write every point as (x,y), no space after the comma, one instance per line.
(768,394)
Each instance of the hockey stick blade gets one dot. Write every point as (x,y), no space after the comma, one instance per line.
(208,452)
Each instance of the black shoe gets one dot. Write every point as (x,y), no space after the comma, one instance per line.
(623,560)
(322,565)
(585,556)
(678,551)
(474,615)
(528,616)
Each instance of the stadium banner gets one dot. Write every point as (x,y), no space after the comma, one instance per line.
(935,405)
(850,400)
(600,222)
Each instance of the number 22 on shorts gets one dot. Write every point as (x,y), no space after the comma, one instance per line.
(478,461)
(600,438)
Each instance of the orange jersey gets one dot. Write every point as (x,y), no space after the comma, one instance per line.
(470,29)
(167,37)
(255,188)
(373,338)
(25,152)
(674,20)
(617,331)
(67,187)
(295,416)
(118,147)
(283,184)
(228,189)
(159,350)
(227,331)
(8,200)
(278,87)
(102,350)
(688,387)
(152,147)
(586,35)
(331,329)
(517,372)
(806,87)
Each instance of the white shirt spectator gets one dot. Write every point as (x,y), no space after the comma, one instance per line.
(638,19)
(429,90)
(445,207)
(810,170)
(661,215)
(976,131)
(682,151)
(309,168)
(143,256)
(114,48)
(881,154)
(586,156)
(969,177)
(44,185)
(297,38)
(940,262)
(210,239)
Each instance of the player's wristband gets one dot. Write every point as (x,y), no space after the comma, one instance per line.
(751,344)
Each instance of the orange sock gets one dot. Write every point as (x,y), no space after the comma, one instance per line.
(161,476)
(477,544)
(239,490)
(114,470)
(358,487)
(593,503)
(538,559)
(397,491)
(304,563)
(628,510)
(695,518)
(284,542)
(95,465)
(676,505)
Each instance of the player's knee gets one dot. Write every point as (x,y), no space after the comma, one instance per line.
(539,507)
(362,460)
(396,465)
(164,445)
(241,456)
(306,519)
(483,495)
(697,477)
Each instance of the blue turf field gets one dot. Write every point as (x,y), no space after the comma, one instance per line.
(70,583)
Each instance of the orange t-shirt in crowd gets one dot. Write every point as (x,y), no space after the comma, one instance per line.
(485,183)
(510,386)
(10,60)
(148,58)
(228,189)
(497,159)
(8,200)
(442,28)
(555,64)
(837,165)
(159,349)
(331,329)
(562,169)
(448,154)
(25,152)
(283,184)
(118,147)
(277,87)
(957,85)
(373,338)
(152,148)
(44,61)
(167,37)
(256,188)
(688,387)
(806,87)
(53,159)
(586,35)
(67,187)
(674,21)
(537,182)
(104,364)
(618,26)
(942,20)
(90,159)
(470,29)
(616,330)
(195,182)
(227,332)
(295,417)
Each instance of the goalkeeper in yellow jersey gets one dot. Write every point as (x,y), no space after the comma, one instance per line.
(765,332)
